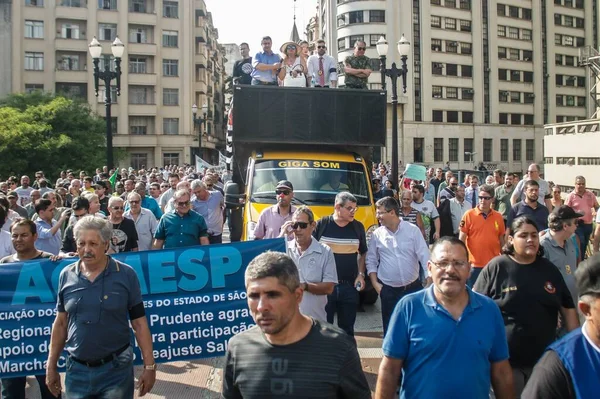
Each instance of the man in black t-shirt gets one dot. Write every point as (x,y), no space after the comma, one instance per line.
(347,239)
(242,68)
(288,355)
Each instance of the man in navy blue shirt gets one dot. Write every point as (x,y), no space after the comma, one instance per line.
(448,331)
(530,207)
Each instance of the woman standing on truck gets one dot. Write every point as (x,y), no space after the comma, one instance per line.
(293,69)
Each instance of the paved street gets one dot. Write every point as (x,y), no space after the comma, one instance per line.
(202,378)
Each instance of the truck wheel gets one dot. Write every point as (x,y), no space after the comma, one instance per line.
(236,225)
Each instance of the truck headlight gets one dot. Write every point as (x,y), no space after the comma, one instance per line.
(250,231)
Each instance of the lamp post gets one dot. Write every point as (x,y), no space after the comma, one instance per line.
(107,76)
(394,73)
(198,122)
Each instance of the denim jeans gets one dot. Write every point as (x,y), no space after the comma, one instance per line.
(113,380)
(14,388)
(389,298)
(343,301)
(584,231)
(474,274)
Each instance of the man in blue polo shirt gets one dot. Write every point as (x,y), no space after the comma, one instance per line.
(265,64)
(182,227)
(446,331)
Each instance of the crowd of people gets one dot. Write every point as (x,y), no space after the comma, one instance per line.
(479,284)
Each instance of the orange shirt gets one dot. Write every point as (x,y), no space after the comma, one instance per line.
(483,235)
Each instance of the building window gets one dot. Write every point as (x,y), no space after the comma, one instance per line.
(468,145)
(341,44)
(467,94)
(525,34)
(559,100)
(569,60)
(418,149)
(437,115)
(377,16)
(513,12)
(170,96)
(436,68)
(107,62)
(451,46)
(436,2)
(452,116)
(568,40)
(356,38)
(516,149)
(141,95)
(513,33)
(465,26)
(436,91)
(503,150)
(570,101)
(528,98)
(138,125)
(375,39)
(451,70)
(466,71)
(581,101)
(107,32)
(503,118)
(138,35)
(171,126)
(170,9)
(465,48)
(513,54)
(436,22)
(564,161)
(107,4)
(585,161)
(138,6)
(72,90)
(170,158)
(526,14)
(515,119)
(502,74)
(501,31)
(67,62)
(34,29)
(528,119)
(30,88)
(515,97)
(467,117)
(139,161)
(580,42)
(580,81)
(69,31)
(452,92)
(579,22)
(529,149)
(515,76)
(568,21)
(137,65)
(558,59)
(438,149)
(356,17)
(436,45)
(34,3)
(503,96)
(450,3)
(501,10)
(170,68)
(487,150)
(453,150)
(170,38)
(450,23)
(466,4)
(528,76)
(527,55)
(102,94)
(34,61)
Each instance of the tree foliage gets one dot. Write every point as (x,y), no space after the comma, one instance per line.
(41,131)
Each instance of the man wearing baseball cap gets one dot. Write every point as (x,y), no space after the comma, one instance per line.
(272,218)
(570,368)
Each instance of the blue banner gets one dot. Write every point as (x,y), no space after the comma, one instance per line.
(195,300)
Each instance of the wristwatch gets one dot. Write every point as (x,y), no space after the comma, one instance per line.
(361,274)
(306,287)
(151,367)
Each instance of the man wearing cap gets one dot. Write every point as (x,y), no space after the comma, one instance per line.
(558,246)
(13,199)
(570,368)
(272,218)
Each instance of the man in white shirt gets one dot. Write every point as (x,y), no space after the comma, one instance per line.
(458,208)
(144,219)
(395,251)
(544,196)
(315,262)
(322,68)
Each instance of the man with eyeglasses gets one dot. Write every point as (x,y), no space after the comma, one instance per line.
(445,183)
(124,235)
(182,227)
(446,327)
(210,205)
(544,194)
(357,67)
(395,251)
(266,64)
(482,230)
(449,191)
(315,262)
(147,201)
(80,208)
(322,68)
(274,217)
(48,230)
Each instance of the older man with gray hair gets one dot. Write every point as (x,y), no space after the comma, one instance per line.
(96,333)
(210,205)
(144,220)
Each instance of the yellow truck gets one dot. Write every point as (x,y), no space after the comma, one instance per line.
(318,139)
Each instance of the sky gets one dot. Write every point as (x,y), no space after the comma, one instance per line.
(249,20)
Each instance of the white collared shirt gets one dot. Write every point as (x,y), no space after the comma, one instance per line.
(329,69)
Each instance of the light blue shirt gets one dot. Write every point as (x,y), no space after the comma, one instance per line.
(469,195)
(145,225)
(264,58)
(47,241)
(212,211)
(430,193)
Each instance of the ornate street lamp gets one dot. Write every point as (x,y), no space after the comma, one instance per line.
(199,122)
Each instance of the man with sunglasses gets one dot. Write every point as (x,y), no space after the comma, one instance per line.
(322,68)
(315,262)
(274,217)
(80,208)
(449,191)
(482,230)
(357,67)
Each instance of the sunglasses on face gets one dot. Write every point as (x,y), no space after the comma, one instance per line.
(290,48)
(301,225)
(484,198)
(134,202)
(321,47)
(183,203)
(284,192)
(117,208)
(361,48)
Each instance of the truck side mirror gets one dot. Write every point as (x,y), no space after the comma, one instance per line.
(233,198)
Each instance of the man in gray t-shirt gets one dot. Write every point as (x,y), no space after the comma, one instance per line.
(288,355)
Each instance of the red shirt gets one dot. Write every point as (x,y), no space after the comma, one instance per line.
(583,204)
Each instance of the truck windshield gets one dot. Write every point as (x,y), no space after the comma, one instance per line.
(315,182)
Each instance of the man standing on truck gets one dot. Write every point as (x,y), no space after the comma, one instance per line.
(243,68)
(347,239)
(272,218)
(357,67)
(266,64)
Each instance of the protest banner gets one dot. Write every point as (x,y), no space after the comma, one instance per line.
(415,172)
(194,297)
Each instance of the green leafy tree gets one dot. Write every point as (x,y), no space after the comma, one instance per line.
(41,131)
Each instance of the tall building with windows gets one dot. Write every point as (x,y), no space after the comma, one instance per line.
(172,60)
(483,76)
